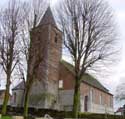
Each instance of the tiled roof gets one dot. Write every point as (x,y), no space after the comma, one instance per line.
(48,18)
(2,91)
(120,109)
(87,78)
(20,86)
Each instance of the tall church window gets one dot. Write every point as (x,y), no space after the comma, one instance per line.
(92,95)
(82,103)
(101,101)
(86,104)
(15,97)
(111,102)
(60,84)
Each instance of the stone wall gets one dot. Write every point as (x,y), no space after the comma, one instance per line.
(46,42)
(66,99)
(54,57)
(39,47)
(17,98)
(45,86)
(97,96)
(95,108)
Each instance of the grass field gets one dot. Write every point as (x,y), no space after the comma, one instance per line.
(6,117)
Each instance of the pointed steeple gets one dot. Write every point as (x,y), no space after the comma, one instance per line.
(48,18)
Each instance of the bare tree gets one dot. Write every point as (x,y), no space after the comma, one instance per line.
(33,12)
(10,25)
(89,36)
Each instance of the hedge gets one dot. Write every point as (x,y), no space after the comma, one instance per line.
(58,114)
(99,116)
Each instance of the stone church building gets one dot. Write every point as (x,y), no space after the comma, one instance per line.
(54,86)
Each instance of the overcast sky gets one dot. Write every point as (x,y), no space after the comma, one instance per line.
(118,70)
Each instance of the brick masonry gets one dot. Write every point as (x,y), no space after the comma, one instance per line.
(49,38)
(95,104)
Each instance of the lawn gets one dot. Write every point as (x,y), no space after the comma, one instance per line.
(6,117)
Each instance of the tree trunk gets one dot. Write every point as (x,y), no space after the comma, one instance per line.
(26,102)
(26,96)
(6,97)
(76,100)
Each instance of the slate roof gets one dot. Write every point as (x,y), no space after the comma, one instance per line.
(2,91)
(120,109)
(48,18)
(20,86)
(87,78)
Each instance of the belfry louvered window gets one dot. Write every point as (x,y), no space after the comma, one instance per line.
(56,38)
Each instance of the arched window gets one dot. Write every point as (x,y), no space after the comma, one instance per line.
(86,103)
(56,38)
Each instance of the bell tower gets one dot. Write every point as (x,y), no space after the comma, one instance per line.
(46,38)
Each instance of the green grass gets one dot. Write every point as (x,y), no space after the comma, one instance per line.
(6,117)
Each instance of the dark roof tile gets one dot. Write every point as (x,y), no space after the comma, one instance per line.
(48,18)
(20,86)
(87,78)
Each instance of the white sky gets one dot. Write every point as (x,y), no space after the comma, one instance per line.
(118,70)
(119,8)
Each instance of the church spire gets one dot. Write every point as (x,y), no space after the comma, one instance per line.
(48,18)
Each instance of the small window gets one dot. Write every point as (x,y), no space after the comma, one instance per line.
(56,38)
(60,83)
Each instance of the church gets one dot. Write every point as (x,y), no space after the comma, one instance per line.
(54,86)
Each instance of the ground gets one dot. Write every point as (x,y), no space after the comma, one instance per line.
(6,117)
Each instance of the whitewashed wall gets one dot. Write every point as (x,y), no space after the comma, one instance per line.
(66,102)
